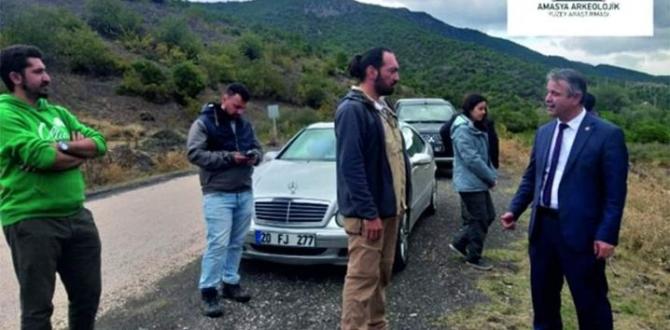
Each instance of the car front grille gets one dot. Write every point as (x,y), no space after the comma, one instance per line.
(289,211)
(435,141)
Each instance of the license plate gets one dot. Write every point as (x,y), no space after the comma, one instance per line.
(285,239)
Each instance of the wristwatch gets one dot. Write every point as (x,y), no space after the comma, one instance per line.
(63,146)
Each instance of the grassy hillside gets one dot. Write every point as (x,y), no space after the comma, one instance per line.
(440,60)
(638,275)
(140,70)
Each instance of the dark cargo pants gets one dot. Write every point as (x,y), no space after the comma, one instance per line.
(43,246)
(478,213)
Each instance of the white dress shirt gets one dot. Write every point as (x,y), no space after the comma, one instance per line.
(569,134)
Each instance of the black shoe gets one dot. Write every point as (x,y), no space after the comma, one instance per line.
(235,292)
(211,306)
(457,250)
(479,265)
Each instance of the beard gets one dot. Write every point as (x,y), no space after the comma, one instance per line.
(382,88)
(35,93)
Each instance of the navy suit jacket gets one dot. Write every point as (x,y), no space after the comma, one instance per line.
(592,191)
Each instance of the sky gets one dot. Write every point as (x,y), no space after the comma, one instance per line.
(647,54)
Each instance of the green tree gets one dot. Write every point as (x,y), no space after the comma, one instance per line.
(219,68)
(86,53)
(251,46)
(111,19)
(611,97)
(146,79)
(649,131)
(188,81)
(37,26)
(175,32)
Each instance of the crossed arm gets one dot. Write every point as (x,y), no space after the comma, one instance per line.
(34,153)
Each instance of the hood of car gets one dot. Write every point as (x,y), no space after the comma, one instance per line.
(427,128)
(296,179)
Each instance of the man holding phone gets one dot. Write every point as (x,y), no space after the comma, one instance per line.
(225,148)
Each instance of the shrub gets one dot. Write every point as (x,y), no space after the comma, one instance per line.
(110,18)
(188,80)
(611,97)
(219,68)
(60,33)
(262,78)
(517,121)
(312,91)
(176,33)
(37,26)
(169,55)
(86,53)
(251,46)
(647,132)
(146,79)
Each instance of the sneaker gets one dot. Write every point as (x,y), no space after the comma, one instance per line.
(460,252)
(211,306)
(479,265)
(235,292)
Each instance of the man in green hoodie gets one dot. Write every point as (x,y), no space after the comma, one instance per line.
(43,217)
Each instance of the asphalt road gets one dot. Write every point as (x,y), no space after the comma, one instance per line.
(146,234)
(152,265)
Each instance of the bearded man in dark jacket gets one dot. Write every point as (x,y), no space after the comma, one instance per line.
(224,146)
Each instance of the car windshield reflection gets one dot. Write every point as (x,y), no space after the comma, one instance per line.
(317,144)
(413,113)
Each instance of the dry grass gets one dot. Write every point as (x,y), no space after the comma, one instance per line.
(513,155)
(102,171)
(645,231)
(639,275)
(172,161)
(117,133)
(105,171)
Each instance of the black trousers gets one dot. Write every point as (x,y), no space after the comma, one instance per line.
(551,260)
(70,246)
(478,213)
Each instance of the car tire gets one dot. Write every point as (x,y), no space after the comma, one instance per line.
(402,244)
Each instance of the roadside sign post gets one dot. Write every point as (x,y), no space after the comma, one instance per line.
(273,113)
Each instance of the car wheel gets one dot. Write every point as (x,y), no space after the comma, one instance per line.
(402,245)
(432,208)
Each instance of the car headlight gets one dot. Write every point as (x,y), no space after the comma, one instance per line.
(339,219)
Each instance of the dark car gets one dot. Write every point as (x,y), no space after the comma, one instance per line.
(427,116)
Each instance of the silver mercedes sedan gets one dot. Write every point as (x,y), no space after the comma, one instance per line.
(296,220)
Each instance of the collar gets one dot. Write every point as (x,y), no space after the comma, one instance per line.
(575,122)
(380,105)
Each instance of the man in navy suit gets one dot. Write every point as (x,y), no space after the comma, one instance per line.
(576,180)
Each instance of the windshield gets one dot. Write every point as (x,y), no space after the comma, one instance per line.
(312,144)
(435,112)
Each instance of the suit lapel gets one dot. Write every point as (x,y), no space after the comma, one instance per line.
(583,134)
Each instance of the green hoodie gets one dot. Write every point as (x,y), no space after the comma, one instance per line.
(28,188)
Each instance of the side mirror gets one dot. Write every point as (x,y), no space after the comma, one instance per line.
(420,159)
(270,155)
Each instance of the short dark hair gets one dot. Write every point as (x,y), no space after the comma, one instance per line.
(589,101)
(576,81)
(359,64)
(15,59)
(238,88)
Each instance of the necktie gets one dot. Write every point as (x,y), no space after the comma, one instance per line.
(549,182)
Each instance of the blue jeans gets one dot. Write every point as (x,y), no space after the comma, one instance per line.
(228,217)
